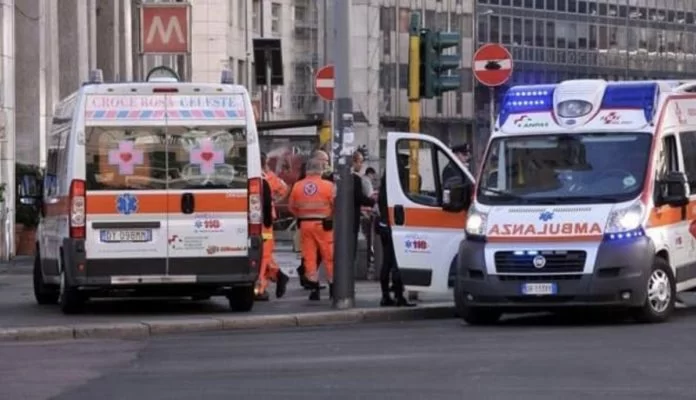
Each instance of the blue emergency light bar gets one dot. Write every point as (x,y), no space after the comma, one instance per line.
(635,95)
(527,99)
(620,95)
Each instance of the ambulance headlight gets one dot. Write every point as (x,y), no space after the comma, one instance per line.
(476,222)
(626,219)
(574,108)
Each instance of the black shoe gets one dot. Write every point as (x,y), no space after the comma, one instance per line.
(281,284)
(262,296)
(314,295)
(402,302)
(387,302)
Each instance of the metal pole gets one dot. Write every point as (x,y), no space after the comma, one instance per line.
(43,79)
(414,98)
(344,285)
(327,106)
(92,21)
(128,40)
(247,59)
(491,106)
(117,41)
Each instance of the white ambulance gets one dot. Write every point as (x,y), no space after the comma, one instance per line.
(150,189)
(586,197)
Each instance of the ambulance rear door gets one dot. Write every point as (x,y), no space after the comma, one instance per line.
(126,219)
(426,234)
(206,153)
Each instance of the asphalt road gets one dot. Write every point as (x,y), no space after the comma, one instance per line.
(529,358)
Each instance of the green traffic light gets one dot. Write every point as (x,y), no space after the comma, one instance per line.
(435,75)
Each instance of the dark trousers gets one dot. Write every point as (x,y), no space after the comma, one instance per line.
(389,265)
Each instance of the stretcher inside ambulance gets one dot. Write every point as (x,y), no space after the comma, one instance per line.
(571,206)
(151,189)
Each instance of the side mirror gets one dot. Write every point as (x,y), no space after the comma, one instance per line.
(29,190)
(673,190)
(456,198)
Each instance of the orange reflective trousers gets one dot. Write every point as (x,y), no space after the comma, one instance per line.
(269,268)
(314,238)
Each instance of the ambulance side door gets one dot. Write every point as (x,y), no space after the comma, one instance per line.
(426,236)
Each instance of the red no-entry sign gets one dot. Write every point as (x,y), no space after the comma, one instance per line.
(492,64)
(324,82)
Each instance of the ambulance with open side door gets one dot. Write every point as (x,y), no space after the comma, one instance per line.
(150,189)
(585,198)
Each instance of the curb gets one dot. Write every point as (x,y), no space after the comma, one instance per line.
(148,328)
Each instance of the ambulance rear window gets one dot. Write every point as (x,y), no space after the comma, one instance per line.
(172,157)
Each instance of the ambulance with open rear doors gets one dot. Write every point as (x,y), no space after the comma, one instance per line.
(586,196)
(150,189)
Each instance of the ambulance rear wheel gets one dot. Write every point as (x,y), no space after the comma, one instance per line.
(70,299)
(43,293)
(241,298)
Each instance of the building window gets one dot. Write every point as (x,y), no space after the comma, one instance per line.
(459,103)
(467,25)
(256,15)
(300,14)
(438,105)
(386,19)
(276,13)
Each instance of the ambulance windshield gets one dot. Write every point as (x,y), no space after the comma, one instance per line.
(172,157)
(564,169)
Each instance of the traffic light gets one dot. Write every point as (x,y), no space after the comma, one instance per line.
(435,78)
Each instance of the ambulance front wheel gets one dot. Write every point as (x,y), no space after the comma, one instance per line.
(661,294)
(473,315)
(241,298)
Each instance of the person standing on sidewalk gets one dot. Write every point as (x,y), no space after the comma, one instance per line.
(274,190)
(312,202)
(324,159)
(389,265)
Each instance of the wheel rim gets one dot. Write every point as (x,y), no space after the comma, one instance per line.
(659,291)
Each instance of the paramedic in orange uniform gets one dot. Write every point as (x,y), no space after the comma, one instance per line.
(275,190)
(312,202)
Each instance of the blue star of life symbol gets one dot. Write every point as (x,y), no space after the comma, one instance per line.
(408,244)
(199,224)
(546,216)
(126,204)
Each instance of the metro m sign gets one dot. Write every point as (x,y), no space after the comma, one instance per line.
(164,28)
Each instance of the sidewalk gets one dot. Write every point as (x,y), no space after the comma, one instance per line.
(22,319)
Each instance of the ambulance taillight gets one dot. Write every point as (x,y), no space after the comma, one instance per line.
(255,212)
(77,209)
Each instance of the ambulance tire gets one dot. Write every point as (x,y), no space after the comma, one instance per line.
(70,299)
(473,315)
(241,298)
(661,273)
(43,293)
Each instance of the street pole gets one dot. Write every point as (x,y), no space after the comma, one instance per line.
(414,98)
(491,106)
(326,129)
(344,285)
(414,59)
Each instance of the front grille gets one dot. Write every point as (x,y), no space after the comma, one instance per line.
(511,262)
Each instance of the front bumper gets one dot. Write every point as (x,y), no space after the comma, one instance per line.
(619,268)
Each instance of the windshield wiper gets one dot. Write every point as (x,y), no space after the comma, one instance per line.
(504,194)
(598,198)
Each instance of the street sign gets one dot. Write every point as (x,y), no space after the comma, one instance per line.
(164,28)
(492,64)
(324,82)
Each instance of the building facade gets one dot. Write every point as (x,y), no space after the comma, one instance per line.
(554,40)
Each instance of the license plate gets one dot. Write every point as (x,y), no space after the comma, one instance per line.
(539,289)
(130,235)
